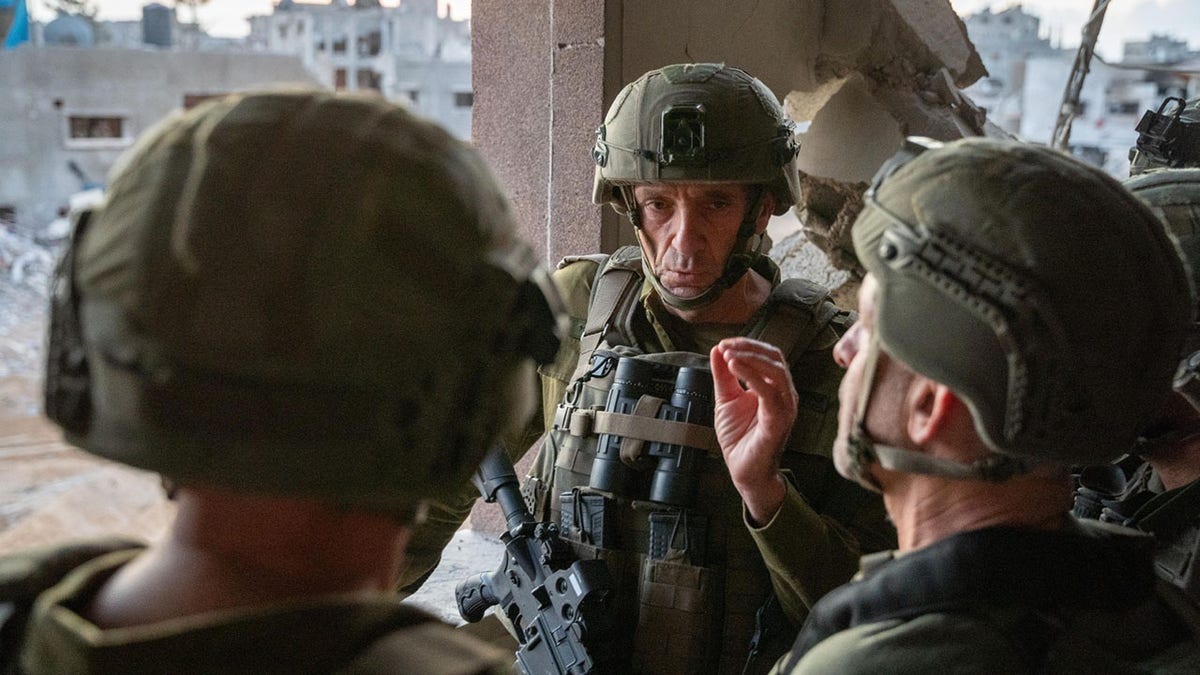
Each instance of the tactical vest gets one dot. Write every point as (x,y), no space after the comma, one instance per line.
(1132,495)
(692,593)
(1060,600)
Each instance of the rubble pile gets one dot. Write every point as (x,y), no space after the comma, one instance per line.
(876,71)
(26,270)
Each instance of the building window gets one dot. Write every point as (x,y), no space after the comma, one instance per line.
(339,78)
(8,213)
(414,95)
(1124,108)
(366,78)
(370,44)
(464,99)
(91,130)
(339,46)
(85,126)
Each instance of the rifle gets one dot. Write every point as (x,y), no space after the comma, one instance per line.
(558,605)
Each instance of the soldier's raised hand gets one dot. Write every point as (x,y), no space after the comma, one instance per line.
(755,408)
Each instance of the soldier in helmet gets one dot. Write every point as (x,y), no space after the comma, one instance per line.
(992,353)
(698,156)
(261,312)
(1157,487)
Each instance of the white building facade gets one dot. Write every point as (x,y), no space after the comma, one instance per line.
(406,53)
(69,112)
(1005,40)
(1028,76)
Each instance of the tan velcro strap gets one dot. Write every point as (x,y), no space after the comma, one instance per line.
(633,448)
(581,422)
(648,429)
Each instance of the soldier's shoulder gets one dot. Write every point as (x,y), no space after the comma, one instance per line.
(574,277)
(923,644)
(25,574)
(434,648)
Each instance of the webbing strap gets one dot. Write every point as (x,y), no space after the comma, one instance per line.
(613,289)
(797,313)
(633,447)
(649,429)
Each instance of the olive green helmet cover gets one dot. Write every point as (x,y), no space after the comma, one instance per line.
(308,294)
(1168,138)
(1174,196)
(1048,298)
(696,122)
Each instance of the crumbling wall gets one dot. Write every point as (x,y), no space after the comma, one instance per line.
(881,70)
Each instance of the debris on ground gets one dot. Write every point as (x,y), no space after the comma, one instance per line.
(26,270)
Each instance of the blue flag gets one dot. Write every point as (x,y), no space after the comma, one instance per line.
(18,32)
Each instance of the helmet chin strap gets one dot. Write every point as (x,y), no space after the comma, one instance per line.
(863,451)
(746,251)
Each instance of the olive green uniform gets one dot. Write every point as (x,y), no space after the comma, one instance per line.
(1003,600)
(808,548)
(693,586)
(1171,516)
(811,545)
(332,634)
(260,311)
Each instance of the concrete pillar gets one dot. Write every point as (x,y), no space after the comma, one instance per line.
(544,72)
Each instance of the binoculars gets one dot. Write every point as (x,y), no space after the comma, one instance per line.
(688,395)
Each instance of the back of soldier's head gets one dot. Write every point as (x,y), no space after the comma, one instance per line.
(299,293)
(1041,292)
(1168,138)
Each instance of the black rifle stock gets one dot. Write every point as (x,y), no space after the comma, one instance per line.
(557,604)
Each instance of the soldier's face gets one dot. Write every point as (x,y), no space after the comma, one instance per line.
(884,417)
(689,230)
(850,352)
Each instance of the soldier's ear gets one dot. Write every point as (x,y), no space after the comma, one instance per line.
(929,407)
(765,209)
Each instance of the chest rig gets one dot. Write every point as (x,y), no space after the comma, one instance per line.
(631,470)
(1130,493)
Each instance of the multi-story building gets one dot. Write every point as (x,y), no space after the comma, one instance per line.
(70,107)
(1005,40)
(1157,49)
(1028,75)
(406,53)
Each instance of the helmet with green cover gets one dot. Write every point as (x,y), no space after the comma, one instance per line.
(1174,196)
(698,123)
(1059,301)
(1168,138)
(299,293)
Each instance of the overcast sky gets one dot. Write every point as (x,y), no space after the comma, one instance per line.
(221,17)
(1061,19)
